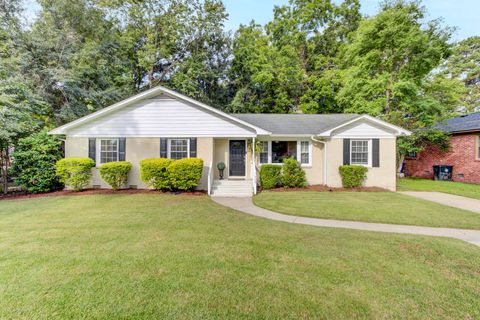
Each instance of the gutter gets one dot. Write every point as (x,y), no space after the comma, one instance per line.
(324,158)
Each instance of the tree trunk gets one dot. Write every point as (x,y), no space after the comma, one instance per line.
(5,170)
(387,105)
(401,158)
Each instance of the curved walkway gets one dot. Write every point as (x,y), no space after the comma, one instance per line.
(246,205)
(446,199)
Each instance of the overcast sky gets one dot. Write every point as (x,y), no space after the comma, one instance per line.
(463,14)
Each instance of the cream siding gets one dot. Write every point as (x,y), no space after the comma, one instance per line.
(383,176)
(161,118)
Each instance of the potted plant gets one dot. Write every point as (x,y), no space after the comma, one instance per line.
(221,167)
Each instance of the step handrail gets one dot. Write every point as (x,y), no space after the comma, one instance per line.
(209,179)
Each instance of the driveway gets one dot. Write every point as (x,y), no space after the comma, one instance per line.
(447,199)
(246,205)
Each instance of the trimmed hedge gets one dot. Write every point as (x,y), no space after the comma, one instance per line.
(166,174)
(293,175)
(353,176)
(184,174)
(154,173)
(75,172)
(115,173)
(270,176)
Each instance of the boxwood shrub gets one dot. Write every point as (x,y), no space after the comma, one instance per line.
(154,173)
(185,174)
(353,176)
(293,175)
(75,172)
(115,173)
(270,176)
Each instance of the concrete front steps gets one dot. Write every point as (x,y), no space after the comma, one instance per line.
(232,188)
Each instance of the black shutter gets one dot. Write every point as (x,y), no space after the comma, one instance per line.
(163,148)
(376,153)
(346,151)
(92,148)
(121,149)
(193,147)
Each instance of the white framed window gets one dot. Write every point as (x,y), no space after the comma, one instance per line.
(275,151)
(305,152)
(265,153)
(360,152)
(178,148)
(108,150)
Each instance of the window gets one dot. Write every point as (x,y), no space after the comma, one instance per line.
(359,152)
(282,150)
(276,151)
(478,147)
(265,151)
(412,155)
(304,152)
(178,148)
(108,150)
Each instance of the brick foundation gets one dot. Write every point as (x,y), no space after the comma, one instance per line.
(463,156)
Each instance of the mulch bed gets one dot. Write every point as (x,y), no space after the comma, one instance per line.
(322,188)
(24,195)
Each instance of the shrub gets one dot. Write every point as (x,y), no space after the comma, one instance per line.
(75,172)
(270,176)
(115,173)
(154,173)
(352,176)
(293,175)
(185,174)
(34,161)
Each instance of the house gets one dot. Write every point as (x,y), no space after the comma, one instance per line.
(464,154)
(163,123)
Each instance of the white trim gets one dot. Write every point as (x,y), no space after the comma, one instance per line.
(149,94)
(98,150)
(369,151)
(169,146)
(398,130)
(298,151)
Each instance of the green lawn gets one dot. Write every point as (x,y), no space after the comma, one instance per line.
(385,207)
(458,188)
(154,256)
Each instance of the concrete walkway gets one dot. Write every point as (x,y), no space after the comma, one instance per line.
(246,205)
(447,199)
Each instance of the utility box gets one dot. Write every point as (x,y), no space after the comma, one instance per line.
(442,173)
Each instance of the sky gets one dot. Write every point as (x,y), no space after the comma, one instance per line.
(463,14)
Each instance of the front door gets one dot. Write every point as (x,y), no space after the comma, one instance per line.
(237,158)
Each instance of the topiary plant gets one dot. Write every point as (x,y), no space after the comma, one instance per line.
(75,172)
(115,173)
(293,175)
(353,176)
(154,173)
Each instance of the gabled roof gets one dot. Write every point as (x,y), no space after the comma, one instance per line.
(321,125)
(465,123)
(295,124)
(150,94)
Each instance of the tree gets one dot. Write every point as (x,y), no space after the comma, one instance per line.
(464,65)
(389,58)
(34,161)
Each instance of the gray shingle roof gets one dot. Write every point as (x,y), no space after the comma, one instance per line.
(470,122)
(295,123)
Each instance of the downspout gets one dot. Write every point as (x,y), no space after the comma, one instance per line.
(324,158)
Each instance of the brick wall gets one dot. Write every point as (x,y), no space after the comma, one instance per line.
(463,156)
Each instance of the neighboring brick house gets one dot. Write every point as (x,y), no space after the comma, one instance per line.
(464,154)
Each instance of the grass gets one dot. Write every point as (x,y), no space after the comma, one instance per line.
(384,207)
(154,256)
(457,188)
